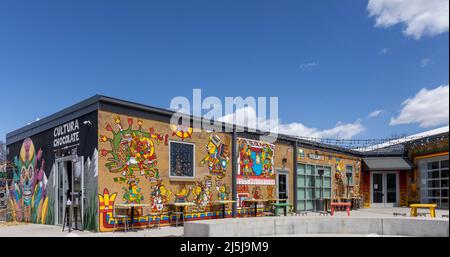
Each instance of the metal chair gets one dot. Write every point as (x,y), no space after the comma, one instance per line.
(120,214)
(152,215)
(177,214)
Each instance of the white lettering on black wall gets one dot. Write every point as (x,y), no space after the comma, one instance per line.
(67,133)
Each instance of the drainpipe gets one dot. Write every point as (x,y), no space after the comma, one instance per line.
(234,170)
(295,176)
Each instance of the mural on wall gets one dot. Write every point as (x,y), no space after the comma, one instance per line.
(105,209)
(28,187)
(181,131)
(257,192)
(202,193)
(132,155)
(217,156)
(255,162)
(160,196)
(132,193)
(339,177)
(223,191)
(182,194)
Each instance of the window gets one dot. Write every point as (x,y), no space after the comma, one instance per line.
(434,183)
(181,163)
(349,168)
(310,183)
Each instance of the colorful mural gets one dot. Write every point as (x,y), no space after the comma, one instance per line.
(217,156)
(181,131)
(132,155)
(182,194)
(27,191)
(160,196)
(202,193)
(255,161)
(223,191)
(106,206)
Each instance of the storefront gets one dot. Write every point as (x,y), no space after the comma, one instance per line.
(385,181)
(105,151)
(323,173)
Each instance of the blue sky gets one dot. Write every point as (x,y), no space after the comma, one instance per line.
(329,62)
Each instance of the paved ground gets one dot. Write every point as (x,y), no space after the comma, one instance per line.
(36,230)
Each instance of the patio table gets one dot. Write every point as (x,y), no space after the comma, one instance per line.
(223,203)
(256,201)
(281,205)
(131,206)
(183,207)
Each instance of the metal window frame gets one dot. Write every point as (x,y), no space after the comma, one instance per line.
(193,161)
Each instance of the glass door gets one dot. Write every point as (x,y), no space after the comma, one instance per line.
(70,181)
(377,188)
(391,189)
(63,186)
(384,189)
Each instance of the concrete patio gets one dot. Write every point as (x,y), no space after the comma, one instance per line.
(362,215)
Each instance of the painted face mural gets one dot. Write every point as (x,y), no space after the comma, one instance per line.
(257,192)
(28,186)
(132,154)
(217,156)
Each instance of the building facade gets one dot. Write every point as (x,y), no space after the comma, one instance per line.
(105,151)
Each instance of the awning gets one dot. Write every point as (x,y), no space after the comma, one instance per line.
(387,163)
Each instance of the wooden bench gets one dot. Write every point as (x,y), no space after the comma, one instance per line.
(431,207)
(341,204)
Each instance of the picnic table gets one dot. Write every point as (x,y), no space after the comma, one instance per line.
(223,203)
(131,206)
(341,204)
(430,206)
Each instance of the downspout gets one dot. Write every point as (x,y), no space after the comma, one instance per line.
(234,170)
(295,176)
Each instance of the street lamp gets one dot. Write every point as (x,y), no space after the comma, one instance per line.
(349,175)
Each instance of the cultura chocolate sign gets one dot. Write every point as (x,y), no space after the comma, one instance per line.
(67,133)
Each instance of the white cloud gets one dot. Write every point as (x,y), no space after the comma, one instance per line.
(428,108)
(425,62)
(309,65)
(420,17)
(383,51)
(249,114)
(375,113)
